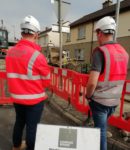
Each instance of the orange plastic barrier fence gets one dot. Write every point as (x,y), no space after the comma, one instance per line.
(119,121)
(75,91)
(4,94)
(61,82)
(71,86)
(78,99)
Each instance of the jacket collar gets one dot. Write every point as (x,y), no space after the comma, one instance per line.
(109,42)
(30,44)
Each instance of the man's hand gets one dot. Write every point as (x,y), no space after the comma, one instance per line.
(92,83)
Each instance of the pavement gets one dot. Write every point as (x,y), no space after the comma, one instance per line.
(115,142)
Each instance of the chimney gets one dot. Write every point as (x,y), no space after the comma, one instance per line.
(107,3)
(46,28)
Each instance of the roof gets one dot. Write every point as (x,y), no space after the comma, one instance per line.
(110,10)
(46,31)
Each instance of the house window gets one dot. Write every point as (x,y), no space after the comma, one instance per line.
(68,37)
(81,32)
(79,54)
(68,54)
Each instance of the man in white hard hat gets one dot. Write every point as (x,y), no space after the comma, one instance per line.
(28,75)
(107,76)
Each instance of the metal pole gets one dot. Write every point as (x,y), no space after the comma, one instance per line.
(14,32)
(60,32)
(2,24)
(47,52)
(117,18)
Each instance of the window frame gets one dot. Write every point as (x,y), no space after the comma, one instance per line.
(81,32)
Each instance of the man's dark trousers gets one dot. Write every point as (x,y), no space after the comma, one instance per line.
(29,116)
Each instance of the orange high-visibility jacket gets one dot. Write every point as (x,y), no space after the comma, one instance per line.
(27,73)
(110,84)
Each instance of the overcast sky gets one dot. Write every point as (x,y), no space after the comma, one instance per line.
(12,11)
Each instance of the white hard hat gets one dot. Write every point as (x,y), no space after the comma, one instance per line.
(30,25)
(106,25)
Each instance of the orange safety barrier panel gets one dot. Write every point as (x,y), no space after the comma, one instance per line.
(119,121)
(78,99)
(4,94)
(61,81)
(70,85)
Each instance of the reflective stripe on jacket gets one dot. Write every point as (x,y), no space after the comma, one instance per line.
(110,84)
(27,73)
